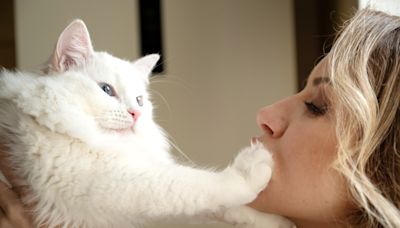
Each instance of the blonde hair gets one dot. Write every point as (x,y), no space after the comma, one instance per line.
(364,68)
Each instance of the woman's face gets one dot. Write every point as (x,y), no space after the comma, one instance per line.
(300,133)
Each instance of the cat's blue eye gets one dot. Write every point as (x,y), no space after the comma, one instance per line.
(108,89)
(139,100)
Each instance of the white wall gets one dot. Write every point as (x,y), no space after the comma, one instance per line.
(224,60)
(388,6)
(362,3)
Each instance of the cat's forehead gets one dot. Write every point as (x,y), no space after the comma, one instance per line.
(105,67)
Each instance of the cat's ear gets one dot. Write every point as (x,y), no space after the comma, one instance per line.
(147,63)
(73,48)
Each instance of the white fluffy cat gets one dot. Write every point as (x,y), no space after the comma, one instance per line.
(83,138)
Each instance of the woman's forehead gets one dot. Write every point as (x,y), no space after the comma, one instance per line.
(320,70)
(319,73)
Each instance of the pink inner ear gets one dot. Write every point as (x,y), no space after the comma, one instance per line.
(147,63)
(73,48)
(68,63)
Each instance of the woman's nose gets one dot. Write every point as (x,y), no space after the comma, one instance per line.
(273,120)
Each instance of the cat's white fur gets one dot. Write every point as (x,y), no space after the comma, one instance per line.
(89,163)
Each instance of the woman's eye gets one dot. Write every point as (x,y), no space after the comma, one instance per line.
(315,109)
(108,89)
(139,100)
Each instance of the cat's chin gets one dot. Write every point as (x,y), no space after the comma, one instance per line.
(122,131)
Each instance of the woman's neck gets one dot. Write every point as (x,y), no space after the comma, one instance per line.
(318,224)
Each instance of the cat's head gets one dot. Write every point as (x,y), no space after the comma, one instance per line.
(116,95)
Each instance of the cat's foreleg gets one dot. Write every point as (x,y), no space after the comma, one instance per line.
(185,191)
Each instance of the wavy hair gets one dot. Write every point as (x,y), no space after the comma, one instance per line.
(364,68)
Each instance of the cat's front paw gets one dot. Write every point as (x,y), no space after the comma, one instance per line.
(248,175)
(254,164)
(246,217)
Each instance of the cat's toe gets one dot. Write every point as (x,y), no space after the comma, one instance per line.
(237,216)
(247,217)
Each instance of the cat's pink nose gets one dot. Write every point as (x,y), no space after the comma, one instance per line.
(135,114)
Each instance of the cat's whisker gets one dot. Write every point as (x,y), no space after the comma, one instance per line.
(176,147)
(171,79)
(181,152)
(163,99)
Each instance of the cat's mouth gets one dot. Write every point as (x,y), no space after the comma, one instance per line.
(119,124)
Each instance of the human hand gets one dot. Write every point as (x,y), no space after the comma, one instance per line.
(13,213)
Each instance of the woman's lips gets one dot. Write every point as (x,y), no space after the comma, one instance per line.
(254,140)
(259,139)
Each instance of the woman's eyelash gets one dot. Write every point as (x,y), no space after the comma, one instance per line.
(315,109)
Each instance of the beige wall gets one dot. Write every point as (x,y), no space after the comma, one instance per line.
(113,27)
(224,60)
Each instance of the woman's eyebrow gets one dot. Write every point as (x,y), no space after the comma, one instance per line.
(320,80)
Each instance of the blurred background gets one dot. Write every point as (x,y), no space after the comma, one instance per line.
(222,59)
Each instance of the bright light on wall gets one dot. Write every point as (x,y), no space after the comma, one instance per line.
(388,6)
(362,3)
